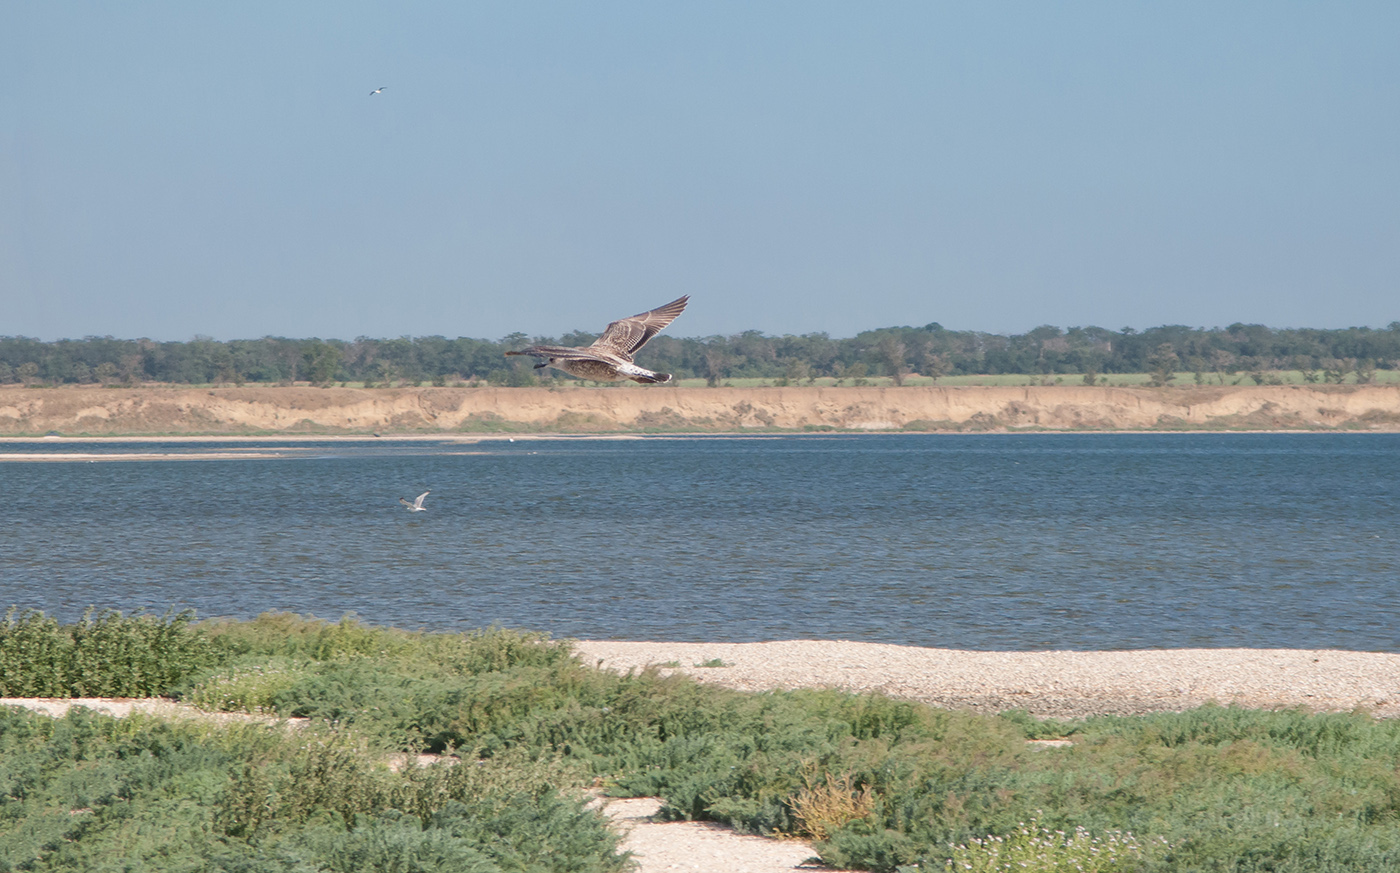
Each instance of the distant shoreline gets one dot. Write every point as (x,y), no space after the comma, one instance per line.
(476,414)
(268,445)
(327,437)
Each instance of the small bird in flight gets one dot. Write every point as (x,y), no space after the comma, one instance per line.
(417,504)
(377,90)
(609,359)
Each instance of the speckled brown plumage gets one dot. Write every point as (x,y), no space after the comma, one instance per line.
(609,358)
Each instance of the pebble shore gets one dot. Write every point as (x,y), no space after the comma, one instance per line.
(1063,685)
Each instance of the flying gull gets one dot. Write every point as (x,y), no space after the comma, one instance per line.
(609,359)
(378,90)
(417,504)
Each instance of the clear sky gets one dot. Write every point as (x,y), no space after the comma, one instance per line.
(174,169)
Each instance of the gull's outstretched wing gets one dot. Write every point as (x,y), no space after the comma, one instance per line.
(418,503)
(626,335)
(568,353)
(561,352)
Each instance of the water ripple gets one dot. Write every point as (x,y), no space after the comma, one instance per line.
(979,542)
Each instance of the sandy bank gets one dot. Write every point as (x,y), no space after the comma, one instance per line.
(1047,684)
(302,410)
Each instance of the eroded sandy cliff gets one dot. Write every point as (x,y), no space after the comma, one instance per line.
(584,410)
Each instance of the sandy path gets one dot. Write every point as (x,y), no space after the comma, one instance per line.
(121,707)
(702,846)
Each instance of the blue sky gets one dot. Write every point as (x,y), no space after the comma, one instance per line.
(174,169)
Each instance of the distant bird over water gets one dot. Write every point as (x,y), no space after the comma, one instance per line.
(378,90)
(609,359)
(417,504)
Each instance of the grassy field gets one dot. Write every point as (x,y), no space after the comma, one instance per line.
(1179,380)
(881,784)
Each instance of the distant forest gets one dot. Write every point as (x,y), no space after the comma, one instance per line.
(896,352)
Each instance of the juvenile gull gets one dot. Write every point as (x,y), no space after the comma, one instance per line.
(417,504)
(609,359)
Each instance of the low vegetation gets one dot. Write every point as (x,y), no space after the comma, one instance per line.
(103,655)
(881,784)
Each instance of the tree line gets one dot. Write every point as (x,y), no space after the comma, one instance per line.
(894,352)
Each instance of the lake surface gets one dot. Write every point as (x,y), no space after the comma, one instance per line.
(1047,541)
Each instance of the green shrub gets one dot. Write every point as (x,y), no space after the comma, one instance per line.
(103,655)
(886,783)
(255,688)
(89,792)
(1033,848)
(294,637)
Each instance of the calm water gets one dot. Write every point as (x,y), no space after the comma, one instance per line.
(982,542)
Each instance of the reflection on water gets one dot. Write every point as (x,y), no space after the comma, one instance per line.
(981,542)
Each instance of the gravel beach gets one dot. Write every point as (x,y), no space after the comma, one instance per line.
(1047,684)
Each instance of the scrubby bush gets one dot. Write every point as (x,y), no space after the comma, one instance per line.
(1033,848)
(89,792)
(102,655)
(881,783)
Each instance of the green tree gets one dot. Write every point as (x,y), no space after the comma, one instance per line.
(891,351)
(938,366)
(1162,365)
(797,370)
(321,361)
(1223,363)
(716,362)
